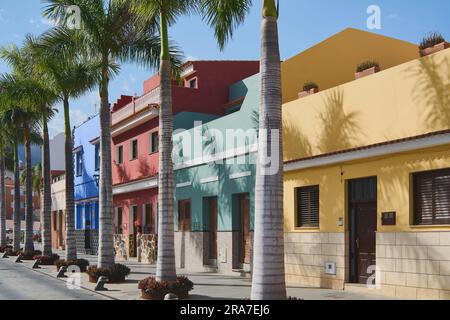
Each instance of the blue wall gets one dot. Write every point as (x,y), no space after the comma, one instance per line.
(86,189)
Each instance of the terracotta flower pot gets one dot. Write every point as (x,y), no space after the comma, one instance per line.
(147,296)
(367,72)
(92,279)
(308,92)
(436,48)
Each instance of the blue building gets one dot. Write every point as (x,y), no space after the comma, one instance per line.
(86,155)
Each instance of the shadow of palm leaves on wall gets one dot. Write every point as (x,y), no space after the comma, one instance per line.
(433,88)
(338,128)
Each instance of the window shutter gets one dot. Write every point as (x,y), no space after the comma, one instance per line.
(432,197)
(308,206)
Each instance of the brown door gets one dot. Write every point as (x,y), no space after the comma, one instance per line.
(133,244)
(213,229)
(59,218)
(363,227)
(245,228)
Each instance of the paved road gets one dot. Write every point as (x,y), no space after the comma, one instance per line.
(20,283)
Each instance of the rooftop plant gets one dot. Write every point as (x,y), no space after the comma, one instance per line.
(310,85)
(431,40)
(367,65)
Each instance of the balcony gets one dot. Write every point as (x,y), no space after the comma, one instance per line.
(137,106)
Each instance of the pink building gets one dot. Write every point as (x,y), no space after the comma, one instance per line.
(203,95)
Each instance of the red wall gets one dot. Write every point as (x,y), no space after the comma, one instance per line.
(146,165)
(138,198)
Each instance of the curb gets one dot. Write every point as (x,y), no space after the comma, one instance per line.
(62,280)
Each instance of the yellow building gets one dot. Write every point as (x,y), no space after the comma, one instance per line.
(367,168)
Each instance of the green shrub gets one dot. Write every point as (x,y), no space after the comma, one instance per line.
(310,85)
(116,274)
(81,263)
(4,248)
(431,40)
(157,290)
(46,260)
(29,255)
(367,65)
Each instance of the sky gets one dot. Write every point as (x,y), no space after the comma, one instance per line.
(302,24)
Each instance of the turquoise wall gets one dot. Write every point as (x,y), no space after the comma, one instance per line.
(225,189)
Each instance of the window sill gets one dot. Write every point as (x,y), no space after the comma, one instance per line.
(431,226)
(307,228)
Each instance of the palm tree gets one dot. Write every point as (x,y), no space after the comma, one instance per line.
(268,276)
(3,241)
(69,77)
(30,87)
(109,34)
(166,12)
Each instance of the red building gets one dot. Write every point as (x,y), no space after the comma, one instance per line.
(202,95)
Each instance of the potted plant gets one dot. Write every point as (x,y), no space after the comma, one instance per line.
(367,68)
(116,274)
(154,290)
(80,263)
(46,260)
(432,43)
(4,248)
(308,89)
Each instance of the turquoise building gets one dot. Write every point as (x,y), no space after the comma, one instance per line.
(214,180)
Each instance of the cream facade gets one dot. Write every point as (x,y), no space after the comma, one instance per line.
(373,155)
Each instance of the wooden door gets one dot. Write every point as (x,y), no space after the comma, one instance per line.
(213,228)
(366,226)
(133,236)
(245,228)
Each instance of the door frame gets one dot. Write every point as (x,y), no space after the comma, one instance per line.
(353,258)
(212,253)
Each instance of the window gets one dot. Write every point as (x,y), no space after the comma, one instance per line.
(119,154)
(184,215)
(432,197)
(148,222)
(308,207)
(79,164)
(154,142)
(97,157)
(119,214)
(193,83)
(134,150)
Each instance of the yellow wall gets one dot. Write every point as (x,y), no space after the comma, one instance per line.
(394,187)
(333,61)
(407,100)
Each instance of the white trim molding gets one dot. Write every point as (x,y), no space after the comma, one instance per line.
(370,152)
(239,175)
(184,184)
(209,180)
(144,184)
(135,121)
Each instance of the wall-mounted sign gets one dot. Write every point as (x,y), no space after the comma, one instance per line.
(389,218)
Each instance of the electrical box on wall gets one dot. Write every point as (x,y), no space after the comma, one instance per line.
(330,268)
(223,255)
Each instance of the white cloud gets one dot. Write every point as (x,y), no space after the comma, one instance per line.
(31,21)
(56,126)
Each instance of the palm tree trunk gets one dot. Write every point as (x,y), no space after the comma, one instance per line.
(29,245)
(16,213)
(106,257)
(71,244)
(47,203)
(165,267)
(268,281)
(3,241)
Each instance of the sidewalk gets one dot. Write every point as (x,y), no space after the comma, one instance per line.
(207,286)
